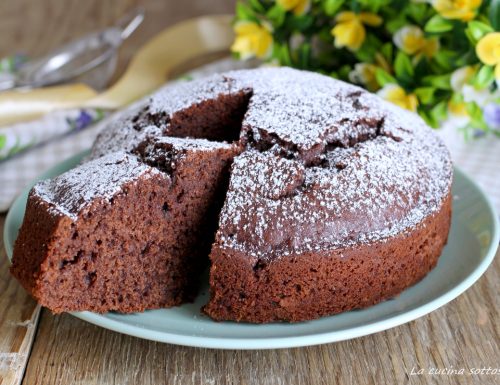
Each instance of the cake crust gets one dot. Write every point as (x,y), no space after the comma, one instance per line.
(309,285)
(314,196)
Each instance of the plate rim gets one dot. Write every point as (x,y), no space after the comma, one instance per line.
(242,343)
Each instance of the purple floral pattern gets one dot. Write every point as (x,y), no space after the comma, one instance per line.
(491,114)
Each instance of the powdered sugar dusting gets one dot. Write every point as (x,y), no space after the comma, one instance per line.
(166,152)
(183,95)
(71,192)
(375,170)
(304,108)
(188,144)
(150,119)
(326,164)
(360,194)
(123,135)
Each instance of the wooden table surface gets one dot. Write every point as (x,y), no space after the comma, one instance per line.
(37,347)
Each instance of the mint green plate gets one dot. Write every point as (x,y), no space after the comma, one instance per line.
(471,247)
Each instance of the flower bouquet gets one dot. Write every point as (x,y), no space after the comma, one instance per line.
(439,58)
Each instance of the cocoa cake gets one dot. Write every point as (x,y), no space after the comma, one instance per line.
(307,197)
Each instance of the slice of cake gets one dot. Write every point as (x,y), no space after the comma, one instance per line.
(117,234)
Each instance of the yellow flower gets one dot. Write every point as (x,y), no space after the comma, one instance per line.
(364,74)
(350,31)
(488,51)
(457,108)
(458,81)
(299,7)
(410,39)
(398,96)
(464,10)
(252,39)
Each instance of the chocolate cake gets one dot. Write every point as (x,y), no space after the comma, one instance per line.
(307,195)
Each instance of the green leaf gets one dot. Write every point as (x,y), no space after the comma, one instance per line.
(438,24)
(417,11)
(257,6)
(355,6)
(428,118)
(394,24)
(373,5)
(334,74)
(474,110)
(276,15)
(299,23)
(364,55)
(344,71)
(386,51)
(477,29)
(304,55)
(494,14)
(244,12)
(403,67)
(457,97)
(384,78)
(467,58)
(484,77)
(441,82)
(369,48)
(332,6)
(446,59)
(425,94)
(470,37)
(284,55)
(3,140)
(440,111)
(476,115)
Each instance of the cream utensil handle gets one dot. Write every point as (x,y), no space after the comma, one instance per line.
(148,70)
(17,106)
(154,62)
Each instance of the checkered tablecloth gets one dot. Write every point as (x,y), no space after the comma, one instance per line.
(18,172)
(479,158)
